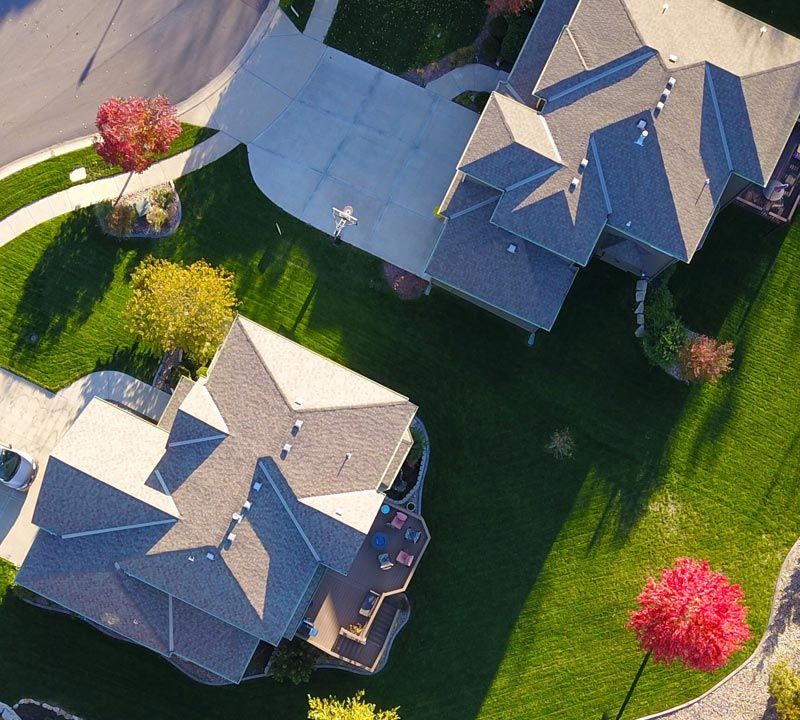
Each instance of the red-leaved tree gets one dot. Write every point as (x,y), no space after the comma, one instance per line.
(691,614)
(705,359)
(508,7)
(135,131)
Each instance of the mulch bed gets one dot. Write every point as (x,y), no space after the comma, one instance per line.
(29,711)
(406,285)
(142,228)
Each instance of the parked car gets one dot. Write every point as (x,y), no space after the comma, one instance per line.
(17,468)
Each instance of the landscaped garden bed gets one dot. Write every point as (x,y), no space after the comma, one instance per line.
(407,285)
(540,558)
(51,176)
(151,213)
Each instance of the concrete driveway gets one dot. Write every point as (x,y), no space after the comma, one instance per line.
(62,58)
(324,129)
(356,135)
(35,419)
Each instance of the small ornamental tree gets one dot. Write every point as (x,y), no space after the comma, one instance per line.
(705,359)
(134,131)
(294,662)
(354,708)
(693,615)
(173,306)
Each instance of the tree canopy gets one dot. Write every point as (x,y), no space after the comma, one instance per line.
(353,708)
(174,306)
(135,131)
(691,614)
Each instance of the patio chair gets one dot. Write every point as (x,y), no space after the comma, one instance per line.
(385,561)
(370,600)
(405,559)
(398,520)
(413,535)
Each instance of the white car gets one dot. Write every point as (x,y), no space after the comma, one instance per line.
(17,468)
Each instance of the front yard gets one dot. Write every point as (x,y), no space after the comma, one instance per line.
(520,602)
(400,35)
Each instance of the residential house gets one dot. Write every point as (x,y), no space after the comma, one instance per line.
(622,130)
(246,515)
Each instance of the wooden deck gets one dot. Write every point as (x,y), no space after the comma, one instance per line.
(336,603)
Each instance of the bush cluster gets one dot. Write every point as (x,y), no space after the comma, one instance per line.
(784,686)
(293,661)
(665,334)
(121,219)
(518,28)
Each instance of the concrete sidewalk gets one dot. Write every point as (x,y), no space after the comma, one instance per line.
(35,419)
(91,193)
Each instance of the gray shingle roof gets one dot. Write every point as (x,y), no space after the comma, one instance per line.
(509,144)
(733,101)
(314,506)
(471,256)
(464,195)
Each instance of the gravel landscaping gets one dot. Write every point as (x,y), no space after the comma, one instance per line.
(743,694)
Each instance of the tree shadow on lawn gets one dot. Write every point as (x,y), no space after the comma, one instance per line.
(70,278)
(726,293)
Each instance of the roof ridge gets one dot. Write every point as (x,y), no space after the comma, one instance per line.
(633,23)
(777,68)
(577,49)
(401,398)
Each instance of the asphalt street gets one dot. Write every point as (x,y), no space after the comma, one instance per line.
(61,58)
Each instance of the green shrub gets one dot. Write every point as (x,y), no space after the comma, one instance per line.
(157,217)
(462,56)
(418,448)
(784,686)
(121,219)
(161,196)
(490,48)
(498,27)
(518,29)
(102,209)
(662,348)
(293,661)
(659,309)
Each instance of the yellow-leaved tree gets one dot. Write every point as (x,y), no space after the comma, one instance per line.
(175,306)
(354,708)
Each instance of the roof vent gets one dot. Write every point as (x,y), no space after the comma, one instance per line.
(664,8)
(211,555)
(539,103)
(247,505)
(512,248)
(573,186)
(191,558)
(763,29)
(665,95)
(628,224)
(673,58)
(640,140)
(298,401)
(231,537)
(583,165)
(298,424)
(285,451)
(642,124)
(236,517)
(659,107)
(671,83)
(257,486)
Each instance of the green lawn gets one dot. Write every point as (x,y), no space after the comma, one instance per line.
(520,602)
(400,35)
(303,8)
(52,176)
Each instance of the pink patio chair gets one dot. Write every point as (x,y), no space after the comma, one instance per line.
(405,559)
(399,520)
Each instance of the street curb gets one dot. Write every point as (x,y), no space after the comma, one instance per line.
(209,89)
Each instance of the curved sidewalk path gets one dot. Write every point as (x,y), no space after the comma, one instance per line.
(743,695)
